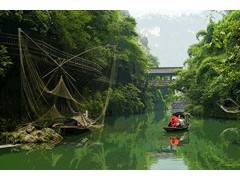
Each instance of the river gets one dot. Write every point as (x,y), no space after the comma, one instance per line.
(134,142)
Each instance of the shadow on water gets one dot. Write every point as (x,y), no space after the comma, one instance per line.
(133,142)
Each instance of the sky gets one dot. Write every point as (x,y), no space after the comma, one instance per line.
(170,33)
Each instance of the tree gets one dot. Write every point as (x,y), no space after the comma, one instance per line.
(211,79)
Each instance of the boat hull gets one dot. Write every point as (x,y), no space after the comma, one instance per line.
(65,130)
(172,129)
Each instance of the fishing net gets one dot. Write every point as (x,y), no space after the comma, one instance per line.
(51,115)
(51,81)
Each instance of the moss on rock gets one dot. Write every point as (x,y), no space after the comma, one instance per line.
(29,134)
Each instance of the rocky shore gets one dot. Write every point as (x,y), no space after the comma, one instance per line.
(30,134)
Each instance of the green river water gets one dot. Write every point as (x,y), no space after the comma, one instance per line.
(134,142)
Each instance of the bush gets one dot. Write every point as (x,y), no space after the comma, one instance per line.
(126,100)
(197,110)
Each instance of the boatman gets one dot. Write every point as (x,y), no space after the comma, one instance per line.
(182,122)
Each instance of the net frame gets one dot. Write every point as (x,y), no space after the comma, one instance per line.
(35,91)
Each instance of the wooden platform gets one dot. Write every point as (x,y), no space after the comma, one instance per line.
(72,127)
(67,129)
(81,128)
(8,146)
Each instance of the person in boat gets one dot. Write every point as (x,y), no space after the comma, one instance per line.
(182,121)
(174,121)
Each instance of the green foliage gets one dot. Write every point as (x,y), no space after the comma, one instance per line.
(126,100)
(212,74)
(153,61)
(195,109)
(5,61)
(94,104)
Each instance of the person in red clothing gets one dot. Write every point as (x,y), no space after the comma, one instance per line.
(174,121)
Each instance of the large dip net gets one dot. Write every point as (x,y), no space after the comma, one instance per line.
(51,82)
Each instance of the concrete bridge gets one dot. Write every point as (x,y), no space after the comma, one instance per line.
(162,76)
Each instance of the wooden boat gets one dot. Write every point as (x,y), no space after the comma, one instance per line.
(72,126)
(183,115)
(171,129)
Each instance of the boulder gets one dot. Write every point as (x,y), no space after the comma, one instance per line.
(48,131)
(15,137)
(37,133)
(29,139)
(28,129)
(40,136)
(52,136)
(29,134)
(20,136)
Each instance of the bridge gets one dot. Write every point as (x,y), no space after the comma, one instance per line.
(162,76)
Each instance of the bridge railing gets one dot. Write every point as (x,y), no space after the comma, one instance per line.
(159,82)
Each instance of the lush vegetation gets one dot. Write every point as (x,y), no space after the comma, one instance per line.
(211,79)
(74,32)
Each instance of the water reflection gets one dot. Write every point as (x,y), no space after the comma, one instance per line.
(175,140)
(122,144)
(207,150)
(134,142)
(167,156)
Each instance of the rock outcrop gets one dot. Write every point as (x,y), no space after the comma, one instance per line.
(29,134)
